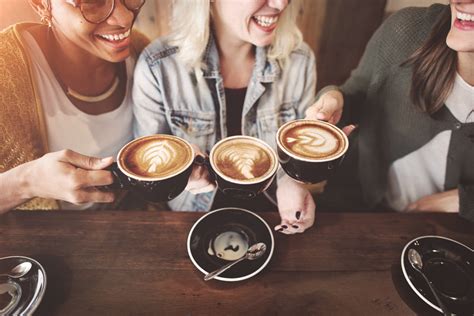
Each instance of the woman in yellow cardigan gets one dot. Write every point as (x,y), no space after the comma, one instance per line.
(64,100)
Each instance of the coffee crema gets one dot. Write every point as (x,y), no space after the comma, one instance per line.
(156,156)
(314,140)
(243,159)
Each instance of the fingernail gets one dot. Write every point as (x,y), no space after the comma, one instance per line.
(298,215)
(284,226)
(295,226)
(280,229)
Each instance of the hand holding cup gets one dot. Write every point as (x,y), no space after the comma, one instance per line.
(69,176)
(298,212)
(200,180)
(327,108)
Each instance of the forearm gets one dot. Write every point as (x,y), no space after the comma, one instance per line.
(14,188)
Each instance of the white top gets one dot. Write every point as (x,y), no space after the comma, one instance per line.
(68,127)
(423,171)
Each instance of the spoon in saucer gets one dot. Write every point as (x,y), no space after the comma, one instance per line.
(254,252)
(417,263)
(18,271)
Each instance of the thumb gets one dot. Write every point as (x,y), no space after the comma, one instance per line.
(86,162)
(348,129)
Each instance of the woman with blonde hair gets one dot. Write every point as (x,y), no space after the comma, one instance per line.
(229,68)
(64,99)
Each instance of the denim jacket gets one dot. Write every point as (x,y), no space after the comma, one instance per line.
(170,99)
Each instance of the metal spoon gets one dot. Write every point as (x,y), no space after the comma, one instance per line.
(254,252)
(19,271)
(417,263)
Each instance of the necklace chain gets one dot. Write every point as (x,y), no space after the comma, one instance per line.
(97,98)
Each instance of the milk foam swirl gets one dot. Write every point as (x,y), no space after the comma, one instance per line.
(243,161)
(311,141)
(157,157)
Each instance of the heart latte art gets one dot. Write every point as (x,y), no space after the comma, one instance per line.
(312,140)
(156,156)
(243,159)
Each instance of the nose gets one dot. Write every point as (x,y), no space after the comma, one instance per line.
(121,15)
(280,5)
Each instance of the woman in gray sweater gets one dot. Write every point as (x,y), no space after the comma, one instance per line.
(412,97)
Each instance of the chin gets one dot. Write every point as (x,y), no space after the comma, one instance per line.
(118,57)
(262,42)
(460,43)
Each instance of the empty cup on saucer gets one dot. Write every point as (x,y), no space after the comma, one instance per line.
(223,236)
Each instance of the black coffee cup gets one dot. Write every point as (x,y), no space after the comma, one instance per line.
(309,151)
(242,166)
(155,167)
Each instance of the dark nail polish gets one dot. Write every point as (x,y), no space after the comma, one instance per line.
(295,226)
(284,226)
(280,229)
(298,215)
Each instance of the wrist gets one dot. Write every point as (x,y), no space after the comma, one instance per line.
(23,185)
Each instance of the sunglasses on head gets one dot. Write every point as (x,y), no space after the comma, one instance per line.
(98,11)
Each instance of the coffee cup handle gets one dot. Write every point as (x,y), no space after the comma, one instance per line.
(201,160)
(120,181)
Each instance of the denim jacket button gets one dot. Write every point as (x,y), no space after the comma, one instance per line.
(457,125)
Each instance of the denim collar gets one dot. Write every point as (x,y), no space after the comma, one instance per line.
(265,70)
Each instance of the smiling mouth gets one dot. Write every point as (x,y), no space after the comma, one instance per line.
(466,17)
(115,37)
(265,21)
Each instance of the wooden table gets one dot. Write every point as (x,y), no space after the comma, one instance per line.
(124,263)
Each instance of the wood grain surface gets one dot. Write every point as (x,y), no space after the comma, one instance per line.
(136,263)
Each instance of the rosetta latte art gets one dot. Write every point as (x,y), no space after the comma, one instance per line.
(243,161)
(312,142)
(157,157)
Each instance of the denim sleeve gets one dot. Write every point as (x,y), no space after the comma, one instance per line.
(148,108)
(309,79)
(309,92)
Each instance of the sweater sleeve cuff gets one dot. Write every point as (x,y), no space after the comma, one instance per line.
(466,201)
(326,89)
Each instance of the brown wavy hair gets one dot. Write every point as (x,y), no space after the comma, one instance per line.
(434,67)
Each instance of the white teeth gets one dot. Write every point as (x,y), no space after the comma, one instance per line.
(464,16)
(265,21)
(115,37)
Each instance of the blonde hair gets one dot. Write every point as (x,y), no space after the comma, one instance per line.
(191,28)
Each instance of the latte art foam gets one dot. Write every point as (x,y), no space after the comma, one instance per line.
(158,156)
(243,159)
(312,140)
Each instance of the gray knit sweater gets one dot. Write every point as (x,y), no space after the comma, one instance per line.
(390,126)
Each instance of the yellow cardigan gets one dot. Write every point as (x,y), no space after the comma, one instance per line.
(22,124)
